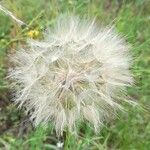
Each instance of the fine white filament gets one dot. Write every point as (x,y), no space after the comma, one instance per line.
(10,14)
(77,73)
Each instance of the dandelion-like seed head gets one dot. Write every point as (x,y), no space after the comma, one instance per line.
(77,73)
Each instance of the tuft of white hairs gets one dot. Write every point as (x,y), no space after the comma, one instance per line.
(77,73)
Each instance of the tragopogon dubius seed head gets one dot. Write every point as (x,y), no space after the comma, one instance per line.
(76,73)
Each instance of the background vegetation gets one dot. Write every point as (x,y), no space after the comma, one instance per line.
(131,131)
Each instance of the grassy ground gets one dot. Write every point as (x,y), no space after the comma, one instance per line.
(132,19)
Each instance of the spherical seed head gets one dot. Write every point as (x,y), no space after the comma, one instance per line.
(77,73)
